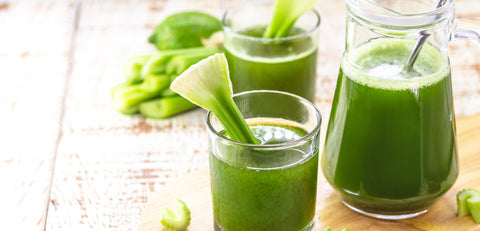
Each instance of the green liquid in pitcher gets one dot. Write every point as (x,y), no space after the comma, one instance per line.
(390,146)
(274,67)
(269,197)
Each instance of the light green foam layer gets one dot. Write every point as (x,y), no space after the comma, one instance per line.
(243,55)
(378,64)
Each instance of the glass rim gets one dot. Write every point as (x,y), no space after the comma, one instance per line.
(228,29)
(390,17)
(300,99)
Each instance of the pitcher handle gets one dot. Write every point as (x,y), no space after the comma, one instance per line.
(468,28)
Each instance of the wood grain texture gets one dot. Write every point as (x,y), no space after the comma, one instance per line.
(194,189)
(108,163)
(34,48)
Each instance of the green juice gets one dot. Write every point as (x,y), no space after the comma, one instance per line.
(268,197)
(288,66)
(390,145)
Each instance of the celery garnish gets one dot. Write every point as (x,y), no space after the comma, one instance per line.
(165,107)
(285,14)
(208,85)
(178,220)
(468,202)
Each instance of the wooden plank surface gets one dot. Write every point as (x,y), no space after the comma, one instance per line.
(194,189)
(107,164)
(34,49)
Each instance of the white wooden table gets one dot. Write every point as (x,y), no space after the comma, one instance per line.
(68,161)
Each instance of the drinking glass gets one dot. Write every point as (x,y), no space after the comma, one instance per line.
(271,185)
(390,150)
(284,64)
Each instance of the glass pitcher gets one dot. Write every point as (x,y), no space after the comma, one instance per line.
(390,149)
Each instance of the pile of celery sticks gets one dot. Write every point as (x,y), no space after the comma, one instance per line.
(178,40)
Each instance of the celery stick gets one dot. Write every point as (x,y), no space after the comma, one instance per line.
(208,85)
(285,14)
(133,68)
(129,110)
(180,63)
(126,96)
(165,107)
(168,93)
(178,220)
(157,63)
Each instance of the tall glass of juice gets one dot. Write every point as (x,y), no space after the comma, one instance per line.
(271,185)
(284,64)
(390,149)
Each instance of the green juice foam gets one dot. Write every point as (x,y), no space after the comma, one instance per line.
(379,63)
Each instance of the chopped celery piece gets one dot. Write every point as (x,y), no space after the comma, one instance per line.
(165,107)
(285,14)
(126,96)
(185,29)
(208,85)
(468,203)
(178,220)
(345,229)
(474,207)
(157,63)
(133,68)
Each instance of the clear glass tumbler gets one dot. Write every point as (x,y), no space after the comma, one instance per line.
(284,64)
(271,185)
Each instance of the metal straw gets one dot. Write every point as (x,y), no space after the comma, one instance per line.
(408,67)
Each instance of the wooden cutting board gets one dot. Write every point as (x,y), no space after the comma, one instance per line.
(194,189)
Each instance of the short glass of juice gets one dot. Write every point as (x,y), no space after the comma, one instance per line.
(271,185)
(256,63)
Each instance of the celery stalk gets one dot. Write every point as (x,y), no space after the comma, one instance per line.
(126,96)
(129,110)
(168,93)
(180,63)
(133,68)
(285,14)
(208,85)
(165,107)
(157,64)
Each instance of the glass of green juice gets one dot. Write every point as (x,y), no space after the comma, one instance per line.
(284,64)
(271,185)
(390,150)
